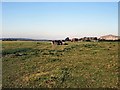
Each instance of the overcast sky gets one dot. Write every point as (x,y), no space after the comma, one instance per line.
(50,20)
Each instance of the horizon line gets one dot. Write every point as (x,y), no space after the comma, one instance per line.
(58,39)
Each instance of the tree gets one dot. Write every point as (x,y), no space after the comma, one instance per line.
(67,39)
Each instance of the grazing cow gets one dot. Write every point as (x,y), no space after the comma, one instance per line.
(57,42)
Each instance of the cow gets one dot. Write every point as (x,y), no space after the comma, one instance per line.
(74,39)
(57,42)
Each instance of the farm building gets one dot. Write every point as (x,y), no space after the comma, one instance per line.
(109,37)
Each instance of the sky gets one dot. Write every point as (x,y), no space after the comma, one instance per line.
(58,20)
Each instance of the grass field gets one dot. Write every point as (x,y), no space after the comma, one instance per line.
(76,65)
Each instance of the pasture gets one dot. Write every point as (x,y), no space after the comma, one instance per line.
(76,65)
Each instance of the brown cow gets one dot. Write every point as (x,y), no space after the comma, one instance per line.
(74,39)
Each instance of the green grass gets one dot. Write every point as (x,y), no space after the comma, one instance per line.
(76,65)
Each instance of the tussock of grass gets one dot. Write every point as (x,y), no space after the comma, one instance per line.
(14,51)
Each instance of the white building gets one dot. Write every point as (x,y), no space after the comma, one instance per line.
(109,37)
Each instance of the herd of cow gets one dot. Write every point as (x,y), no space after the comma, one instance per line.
(62,42)
(91,39)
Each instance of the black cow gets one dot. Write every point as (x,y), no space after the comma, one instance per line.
(57,42)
